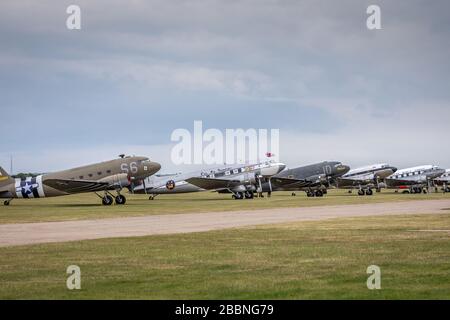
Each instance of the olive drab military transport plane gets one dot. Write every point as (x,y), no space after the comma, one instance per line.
(113,175)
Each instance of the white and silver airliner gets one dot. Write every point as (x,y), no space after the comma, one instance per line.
(414,180)
(444,181)
(366,178)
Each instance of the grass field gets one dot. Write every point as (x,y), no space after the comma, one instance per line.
(88,206)
(321,260)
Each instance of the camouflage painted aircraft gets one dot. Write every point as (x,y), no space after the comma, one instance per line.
(113,175)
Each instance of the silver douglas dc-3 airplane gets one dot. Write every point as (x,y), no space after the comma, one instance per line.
(366,178)
(444,181)
(240,180)
(414,180)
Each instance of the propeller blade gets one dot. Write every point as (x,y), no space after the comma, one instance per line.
(145,187)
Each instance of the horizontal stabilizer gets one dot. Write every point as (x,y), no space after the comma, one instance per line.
(4,177)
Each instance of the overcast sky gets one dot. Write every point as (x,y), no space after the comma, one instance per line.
(137,70)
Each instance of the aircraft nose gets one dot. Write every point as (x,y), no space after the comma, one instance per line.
(342,168)
(155,166)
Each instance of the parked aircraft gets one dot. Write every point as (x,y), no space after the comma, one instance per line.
(414,180)
(444,181)
(366,178)
(242,181)
(168,184)
(314,179)
(105,176)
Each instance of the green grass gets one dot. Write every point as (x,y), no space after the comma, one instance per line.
(305,260)
(88,206)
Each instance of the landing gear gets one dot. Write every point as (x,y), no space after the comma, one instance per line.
(249,195)
(416,190)
(7,202)
(107,200)
(361,192)
(120,199)
(318,193)
(369,192)
(293,194)
(238,196)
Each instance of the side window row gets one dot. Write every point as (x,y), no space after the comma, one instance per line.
(91,175)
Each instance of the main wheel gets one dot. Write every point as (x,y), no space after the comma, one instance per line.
(361,192)
(309,194)
(107,200)
(319,193)
(6,203)
(151,198)
(369,192)
(120,199)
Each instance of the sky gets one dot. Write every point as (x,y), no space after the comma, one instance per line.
(138,70)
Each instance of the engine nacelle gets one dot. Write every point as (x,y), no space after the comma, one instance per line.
(120,180)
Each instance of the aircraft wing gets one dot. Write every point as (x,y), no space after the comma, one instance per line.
(76,186)
(213,183)
(284,182)
(345,182)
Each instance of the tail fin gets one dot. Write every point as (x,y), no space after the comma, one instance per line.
(4,177)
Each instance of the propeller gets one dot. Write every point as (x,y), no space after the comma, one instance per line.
(145,187)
